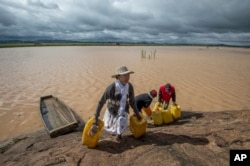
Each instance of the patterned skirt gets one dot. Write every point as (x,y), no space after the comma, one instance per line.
(115,125)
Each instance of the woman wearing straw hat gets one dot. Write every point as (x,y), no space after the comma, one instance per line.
(120,95)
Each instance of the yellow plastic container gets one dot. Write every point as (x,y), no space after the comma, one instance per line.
(167,116)
(157,117)
(147,110)
(176,111)
(156,114)
(137,128)
(157,106)
(91,141)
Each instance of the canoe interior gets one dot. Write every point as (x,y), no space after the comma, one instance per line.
(57,117)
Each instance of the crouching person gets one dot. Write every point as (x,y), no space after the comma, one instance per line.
(144,100)
(119,94)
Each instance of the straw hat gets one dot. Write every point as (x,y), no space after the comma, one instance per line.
(122,70)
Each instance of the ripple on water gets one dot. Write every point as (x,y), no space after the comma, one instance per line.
(204,81)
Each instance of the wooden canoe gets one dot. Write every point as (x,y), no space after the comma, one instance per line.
(57,117)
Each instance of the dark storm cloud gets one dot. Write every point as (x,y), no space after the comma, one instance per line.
(183,21)
(5,17)
(40,4)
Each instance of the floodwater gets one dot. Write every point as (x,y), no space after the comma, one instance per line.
(206,78)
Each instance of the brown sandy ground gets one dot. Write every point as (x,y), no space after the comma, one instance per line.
(196,139)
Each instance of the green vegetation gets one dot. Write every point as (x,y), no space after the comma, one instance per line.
(68,43)
(39,44)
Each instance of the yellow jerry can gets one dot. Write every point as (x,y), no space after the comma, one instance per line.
(176,111)
(157,106)
(147,110)
(137,127)
(87,139)
(157,117)
(167,116)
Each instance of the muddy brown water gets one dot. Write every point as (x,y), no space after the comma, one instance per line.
(207,79)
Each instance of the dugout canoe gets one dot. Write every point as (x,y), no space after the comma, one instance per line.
(57,117)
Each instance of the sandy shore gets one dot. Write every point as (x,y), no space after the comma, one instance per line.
(206,79)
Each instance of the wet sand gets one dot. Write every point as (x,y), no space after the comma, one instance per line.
(206,79)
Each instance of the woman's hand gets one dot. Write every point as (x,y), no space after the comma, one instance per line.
(93,130)
(138,116)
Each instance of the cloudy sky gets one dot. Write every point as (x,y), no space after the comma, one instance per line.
(160,21)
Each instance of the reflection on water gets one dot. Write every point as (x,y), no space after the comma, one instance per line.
(206,79)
